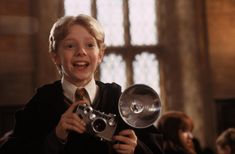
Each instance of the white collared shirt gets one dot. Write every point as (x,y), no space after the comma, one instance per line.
(69,89)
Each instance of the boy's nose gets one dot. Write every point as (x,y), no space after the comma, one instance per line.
(80,52)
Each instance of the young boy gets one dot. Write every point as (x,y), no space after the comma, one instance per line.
(49,123)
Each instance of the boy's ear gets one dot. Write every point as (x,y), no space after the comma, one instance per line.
(55,58)
(101,55)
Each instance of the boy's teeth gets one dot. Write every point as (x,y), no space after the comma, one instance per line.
(81,64)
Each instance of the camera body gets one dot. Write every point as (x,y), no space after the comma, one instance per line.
(98,123)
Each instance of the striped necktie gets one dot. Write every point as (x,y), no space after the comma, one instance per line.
(82,96)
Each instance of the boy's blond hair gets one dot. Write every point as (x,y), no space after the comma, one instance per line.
(61,29)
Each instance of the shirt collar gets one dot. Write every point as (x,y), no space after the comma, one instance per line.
(69,89)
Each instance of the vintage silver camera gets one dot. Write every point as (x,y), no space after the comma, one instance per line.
(139,106)
(98,123)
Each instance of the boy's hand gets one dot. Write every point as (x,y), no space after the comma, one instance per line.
(69,121)
(127,142)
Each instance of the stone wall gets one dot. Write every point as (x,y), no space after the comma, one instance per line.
(221,43)
(24,58)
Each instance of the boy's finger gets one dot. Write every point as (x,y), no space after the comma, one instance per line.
(71,107)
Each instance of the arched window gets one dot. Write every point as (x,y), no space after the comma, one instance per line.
(131,37)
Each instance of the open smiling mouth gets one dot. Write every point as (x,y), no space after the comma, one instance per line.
(81,64)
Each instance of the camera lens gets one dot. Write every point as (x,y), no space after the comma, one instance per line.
(99,125)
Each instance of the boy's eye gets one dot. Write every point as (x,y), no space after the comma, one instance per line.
(70,46)
(91,45)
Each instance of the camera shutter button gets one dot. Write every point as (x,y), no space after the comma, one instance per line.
(88,109)
(92,116)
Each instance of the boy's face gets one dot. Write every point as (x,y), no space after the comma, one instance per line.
(79,55)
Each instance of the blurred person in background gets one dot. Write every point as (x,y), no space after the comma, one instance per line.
(225,143)
(177,133)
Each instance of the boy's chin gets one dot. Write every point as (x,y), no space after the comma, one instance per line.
(81,78)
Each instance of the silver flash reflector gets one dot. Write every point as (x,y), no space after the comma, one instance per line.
(139,106)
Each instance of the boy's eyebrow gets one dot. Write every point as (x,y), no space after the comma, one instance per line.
(68,39)
(90,38)
(86,38)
